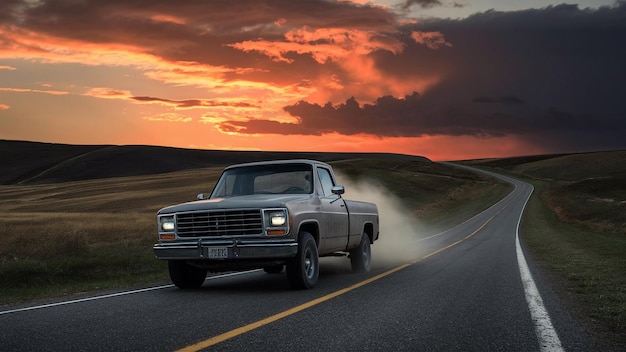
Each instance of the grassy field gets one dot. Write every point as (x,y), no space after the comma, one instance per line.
(71,237)
(76,236)
(575,227)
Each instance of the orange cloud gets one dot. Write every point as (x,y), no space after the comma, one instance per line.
(9,68)
(27,90)
(169,117)
(168,18)
(44,48)
(349,49)
(360,2)
(323,44)
(368,81)
(194,103)
(108,93)
(433,40)
(4,107)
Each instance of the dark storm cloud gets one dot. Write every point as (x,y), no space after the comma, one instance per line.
(390,116)
(410,116)
(565,64)
(421,3)
(554,76)
(499,100)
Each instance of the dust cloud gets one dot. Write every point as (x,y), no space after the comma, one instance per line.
(399,230)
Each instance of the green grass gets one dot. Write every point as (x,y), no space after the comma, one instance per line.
(588,266)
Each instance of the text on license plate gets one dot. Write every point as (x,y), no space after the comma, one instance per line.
(216,252)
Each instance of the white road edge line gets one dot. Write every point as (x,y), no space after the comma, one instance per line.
(124,293)
(546,334)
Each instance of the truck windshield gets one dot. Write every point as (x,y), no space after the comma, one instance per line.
(265,179)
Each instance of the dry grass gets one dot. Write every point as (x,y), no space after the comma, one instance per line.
(597,204)
(74,236)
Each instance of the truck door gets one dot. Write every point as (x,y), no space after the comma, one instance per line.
(334,211)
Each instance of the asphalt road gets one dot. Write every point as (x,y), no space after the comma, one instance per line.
(464,290)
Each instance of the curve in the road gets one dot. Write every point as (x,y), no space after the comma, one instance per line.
(546,334)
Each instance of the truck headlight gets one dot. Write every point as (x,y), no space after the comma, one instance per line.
(167,223)
(278,218)
(276,222)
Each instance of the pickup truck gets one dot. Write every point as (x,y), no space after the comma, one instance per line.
(267,215)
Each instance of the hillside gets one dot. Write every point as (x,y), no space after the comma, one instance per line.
(586,189)
(564,167)
(39,163)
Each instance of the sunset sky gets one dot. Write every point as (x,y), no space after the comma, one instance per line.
(448,80)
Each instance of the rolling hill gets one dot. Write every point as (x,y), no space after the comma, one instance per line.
(38,163)
(584,188)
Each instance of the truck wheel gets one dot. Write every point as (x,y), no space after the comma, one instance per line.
(361,256)
(303,269)
(274,269)
(186,276)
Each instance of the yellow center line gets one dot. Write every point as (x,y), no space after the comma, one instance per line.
(230,334)
(246,328)
(459,241)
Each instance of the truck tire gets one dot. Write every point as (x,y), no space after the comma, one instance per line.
(186,276)
(361,256)
(303,269)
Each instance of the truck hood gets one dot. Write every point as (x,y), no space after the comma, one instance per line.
(252,201)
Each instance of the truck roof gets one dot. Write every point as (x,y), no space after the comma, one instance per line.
(286,161)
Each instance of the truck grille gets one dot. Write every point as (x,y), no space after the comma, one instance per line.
(220,223)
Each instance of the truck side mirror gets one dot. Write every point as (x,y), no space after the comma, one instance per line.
(338,190)
(200,196)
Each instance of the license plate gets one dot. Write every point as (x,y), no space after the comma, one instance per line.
(216,252)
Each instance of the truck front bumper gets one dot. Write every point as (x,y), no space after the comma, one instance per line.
(225,249)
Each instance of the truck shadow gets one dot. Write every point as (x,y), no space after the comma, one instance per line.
(331,270)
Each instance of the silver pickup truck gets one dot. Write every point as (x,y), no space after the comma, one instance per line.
(267,215)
